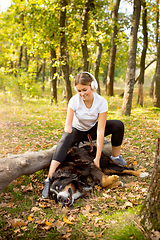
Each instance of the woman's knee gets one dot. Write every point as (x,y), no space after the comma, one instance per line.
(120,125)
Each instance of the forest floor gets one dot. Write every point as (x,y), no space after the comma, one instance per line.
(111,214)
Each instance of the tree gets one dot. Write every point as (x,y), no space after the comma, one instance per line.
(53,77)
(151,92)
(98,59)
(157,80)
(23,164)
(150,212)
(157,72)
(84,31)
(130,75)
(112,53)
(143,55)
(63,49)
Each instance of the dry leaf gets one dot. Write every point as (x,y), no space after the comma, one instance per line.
(128,204)
(35,209)
(27,188)
(66,220)
(59,224)
(9,205)
(17,223)
(30,218)
(44,205)
(93,214)
(48,223)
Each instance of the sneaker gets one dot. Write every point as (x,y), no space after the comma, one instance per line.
(119,160)
(45,192)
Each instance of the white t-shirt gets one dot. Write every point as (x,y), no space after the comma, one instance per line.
(85,118)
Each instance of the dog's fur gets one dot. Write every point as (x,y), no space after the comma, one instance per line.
(78,173)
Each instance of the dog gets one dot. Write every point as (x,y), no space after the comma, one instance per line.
(79,173)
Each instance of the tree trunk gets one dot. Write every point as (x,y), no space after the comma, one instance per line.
(20,56)
(112,53)
(23,164)
(30,162)
(98,59)
(26,59)
(43,74)
(151,89)
(53,77)
(63,50)
(157,87)
(84,31)
(150,212)
(140,94)
(157,74)
(143,56)
(130,75)
(151,92)
(38,72)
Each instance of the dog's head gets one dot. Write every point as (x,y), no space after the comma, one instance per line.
(65,190)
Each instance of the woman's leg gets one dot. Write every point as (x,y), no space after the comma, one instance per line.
(116,128)
(66,142)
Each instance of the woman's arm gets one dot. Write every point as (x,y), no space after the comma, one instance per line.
(69,120)
(100,136)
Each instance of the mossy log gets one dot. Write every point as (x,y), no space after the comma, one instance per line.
(15,166)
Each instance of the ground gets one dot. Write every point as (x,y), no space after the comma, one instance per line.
(103,213)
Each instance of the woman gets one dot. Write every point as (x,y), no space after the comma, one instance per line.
(86,114)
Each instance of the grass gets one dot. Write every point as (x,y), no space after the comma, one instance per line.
(34,124)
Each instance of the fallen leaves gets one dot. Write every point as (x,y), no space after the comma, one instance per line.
(66,220)
(17,223)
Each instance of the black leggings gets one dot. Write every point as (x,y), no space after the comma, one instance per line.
(114,127)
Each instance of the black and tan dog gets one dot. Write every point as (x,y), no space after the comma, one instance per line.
(78,173)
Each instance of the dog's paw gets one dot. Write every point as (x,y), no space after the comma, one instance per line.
(144,174)
(121,184)
(114,178)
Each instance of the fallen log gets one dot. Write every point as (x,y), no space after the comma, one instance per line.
(15,166)
(28,163)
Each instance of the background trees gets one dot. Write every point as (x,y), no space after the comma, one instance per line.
(61,38)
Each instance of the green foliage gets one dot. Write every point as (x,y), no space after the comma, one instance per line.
(35,27)
(19,87)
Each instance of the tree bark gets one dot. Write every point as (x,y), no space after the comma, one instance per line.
(143,56)
(150,212)
(53,77)
(63,50)
(43,74)
(20,56)
(38,72)
(156,102)
(112,53)
(98,59)
(23,164)
(151,92)
(26,59)
(84,31)
(130,75)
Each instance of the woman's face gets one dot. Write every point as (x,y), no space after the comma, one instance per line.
(85,91)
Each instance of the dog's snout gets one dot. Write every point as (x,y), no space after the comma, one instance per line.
(59,198)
